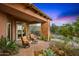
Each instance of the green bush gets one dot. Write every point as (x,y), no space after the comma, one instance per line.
(67,49)
(36,33)
(8,46)
(50,37)
(48,52)
(43,37)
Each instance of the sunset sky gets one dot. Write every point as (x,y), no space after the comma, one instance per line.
(61,13)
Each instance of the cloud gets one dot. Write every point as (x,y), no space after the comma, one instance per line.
(64,20)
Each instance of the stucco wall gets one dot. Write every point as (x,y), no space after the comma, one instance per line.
(3,21)
(45,28)
(3,25)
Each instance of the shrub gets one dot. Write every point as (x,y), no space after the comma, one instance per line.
(43,37)
(36,33)
(8,46)
(63,49)
(50,37)
(48,52)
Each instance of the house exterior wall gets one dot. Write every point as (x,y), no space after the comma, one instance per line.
(3,20)
(3,25)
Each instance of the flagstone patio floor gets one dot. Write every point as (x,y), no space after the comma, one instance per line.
(33,47)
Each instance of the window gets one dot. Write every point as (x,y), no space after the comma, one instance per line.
(19,30)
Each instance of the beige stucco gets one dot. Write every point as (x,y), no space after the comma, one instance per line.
(3,20)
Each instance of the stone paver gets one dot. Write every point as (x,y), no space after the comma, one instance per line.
(34,47)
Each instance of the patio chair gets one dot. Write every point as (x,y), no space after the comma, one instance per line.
(25,42)
(33,38)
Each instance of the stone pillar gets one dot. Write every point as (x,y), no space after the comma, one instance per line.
(45,29)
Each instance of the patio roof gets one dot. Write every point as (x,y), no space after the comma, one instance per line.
(31,6)
(25,12)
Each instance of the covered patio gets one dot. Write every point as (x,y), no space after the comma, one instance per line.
(28,14)
(19,17)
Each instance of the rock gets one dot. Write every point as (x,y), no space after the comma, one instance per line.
(61,52)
